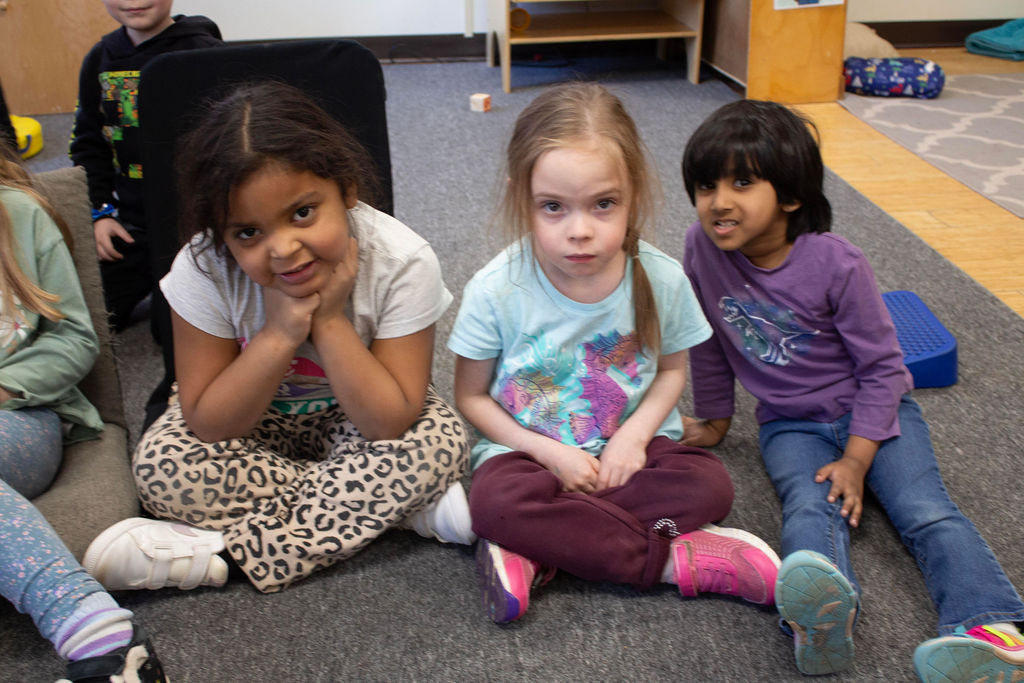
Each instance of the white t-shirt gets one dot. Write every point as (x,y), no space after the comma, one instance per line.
(568,370)
(398,291)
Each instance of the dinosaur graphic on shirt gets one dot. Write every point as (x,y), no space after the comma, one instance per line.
(768,333)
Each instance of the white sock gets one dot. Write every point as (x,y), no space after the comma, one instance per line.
(447,519)
(668,574)
(97,627)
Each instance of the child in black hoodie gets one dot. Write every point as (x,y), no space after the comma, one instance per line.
(106,140)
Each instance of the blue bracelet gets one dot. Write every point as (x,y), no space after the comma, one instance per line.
(105,210)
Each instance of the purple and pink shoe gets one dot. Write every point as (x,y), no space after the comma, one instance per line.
(505,581)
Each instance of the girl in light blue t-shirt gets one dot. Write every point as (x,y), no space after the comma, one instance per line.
(571,357)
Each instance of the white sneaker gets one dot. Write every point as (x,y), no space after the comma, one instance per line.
(142,553)
(447,520)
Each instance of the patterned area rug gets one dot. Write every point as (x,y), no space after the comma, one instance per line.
(974,131)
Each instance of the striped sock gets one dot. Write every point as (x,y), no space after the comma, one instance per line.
(97,627)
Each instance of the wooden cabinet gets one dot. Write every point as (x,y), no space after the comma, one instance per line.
(42,43)
(794,56)
(674,19)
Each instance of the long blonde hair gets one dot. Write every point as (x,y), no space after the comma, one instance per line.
(16,288)
(561,117)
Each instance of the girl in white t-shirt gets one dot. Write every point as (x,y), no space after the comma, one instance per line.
(304,424)
(571,357)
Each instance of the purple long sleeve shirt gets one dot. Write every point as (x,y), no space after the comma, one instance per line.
(810,339)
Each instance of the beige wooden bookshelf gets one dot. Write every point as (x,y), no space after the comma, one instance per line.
(674,19)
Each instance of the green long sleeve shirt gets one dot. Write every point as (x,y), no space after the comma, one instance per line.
(42,361)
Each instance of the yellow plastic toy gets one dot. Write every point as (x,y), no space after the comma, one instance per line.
(30,135)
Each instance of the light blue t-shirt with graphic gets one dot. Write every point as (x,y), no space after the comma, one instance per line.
(571,371)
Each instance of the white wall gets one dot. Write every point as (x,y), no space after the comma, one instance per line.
(933,10)
(271,19)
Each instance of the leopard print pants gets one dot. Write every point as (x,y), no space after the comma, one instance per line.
(299,492)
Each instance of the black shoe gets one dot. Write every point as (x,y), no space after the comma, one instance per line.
(137,659)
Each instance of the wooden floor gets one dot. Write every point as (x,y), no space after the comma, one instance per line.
(979,236)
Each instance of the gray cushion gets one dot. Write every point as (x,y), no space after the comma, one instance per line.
(94,487)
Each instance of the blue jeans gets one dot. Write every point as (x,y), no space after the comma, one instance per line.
(964,579)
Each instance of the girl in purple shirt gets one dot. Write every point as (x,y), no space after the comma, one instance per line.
(799,320)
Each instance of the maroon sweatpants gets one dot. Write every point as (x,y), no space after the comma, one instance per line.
(618,534)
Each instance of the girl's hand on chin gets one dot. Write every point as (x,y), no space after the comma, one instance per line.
(338,288)
(289,317)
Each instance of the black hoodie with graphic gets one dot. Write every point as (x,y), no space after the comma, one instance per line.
(106,137)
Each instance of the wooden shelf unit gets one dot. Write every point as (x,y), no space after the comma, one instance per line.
(793,56)
(675,19)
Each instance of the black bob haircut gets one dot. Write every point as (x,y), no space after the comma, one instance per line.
(753,138)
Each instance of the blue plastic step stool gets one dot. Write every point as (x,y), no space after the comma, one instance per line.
(929,350)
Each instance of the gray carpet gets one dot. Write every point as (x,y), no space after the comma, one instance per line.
(408,608)
(974,131)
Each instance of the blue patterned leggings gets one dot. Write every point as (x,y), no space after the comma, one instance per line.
(38,574)
(31,449)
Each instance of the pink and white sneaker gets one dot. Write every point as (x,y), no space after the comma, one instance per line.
(506,579)
(140,553)
(717,559)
